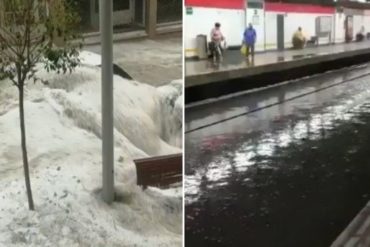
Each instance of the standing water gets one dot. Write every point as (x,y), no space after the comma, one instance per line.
(294,174)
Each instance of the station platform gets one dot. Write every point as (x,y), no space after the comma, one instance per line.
(358,231)
(205,79)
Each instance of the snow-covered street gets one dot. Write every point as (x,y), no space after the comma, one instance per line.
(63,123)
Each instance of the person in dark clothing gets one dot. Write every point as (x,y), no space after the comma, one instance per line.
(250,37)
(360,36)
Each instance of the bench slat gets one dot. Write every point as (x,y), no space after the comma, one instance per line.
(160,171)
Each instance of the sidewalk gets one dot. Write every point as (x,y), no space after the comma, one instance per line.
(235,65)
(94,37)
(155,62)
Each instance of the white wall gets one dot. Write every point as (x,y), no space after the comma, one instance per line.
(259,27)
(233,23)
(291,23)
(367,23)
(358,22)
(294,20)
(339,27)
(202,20)
(271,30)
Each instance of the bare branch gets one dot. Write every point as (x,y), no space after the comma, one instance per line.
(14,82)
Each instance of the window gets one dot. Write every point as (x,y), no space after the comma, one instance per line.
(118,5)
(13,13)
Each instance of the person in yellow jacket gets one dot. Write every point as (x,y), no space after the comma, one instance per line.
(299,40)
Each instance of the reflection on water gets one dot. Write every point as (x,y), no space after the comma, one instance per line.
(259,151)
(249,61)
(298,183)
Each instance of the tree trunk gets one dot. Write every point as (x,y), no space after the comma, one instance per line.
(24,147)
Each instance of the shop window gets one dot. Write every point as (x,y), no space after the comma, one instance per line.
(118,5)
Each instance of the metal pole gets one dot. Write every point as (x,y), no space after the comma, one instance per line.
(106,31)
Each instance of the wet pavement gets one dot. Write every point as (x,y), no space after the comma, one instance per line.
(293,173)
(136,58)
(234,60)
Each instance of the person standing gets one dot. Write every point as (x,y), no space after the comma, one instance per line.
(250,37)
(216,38)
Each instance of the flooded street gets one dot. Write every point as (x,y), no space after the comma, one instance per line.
(287,166)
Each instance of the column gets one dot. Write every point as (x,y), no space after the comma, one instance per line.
(151,17)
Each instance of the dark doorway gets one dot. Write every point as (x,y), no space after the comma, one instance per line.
(169,11)
(349,28)
(139,12)
(84,9)
(280,32)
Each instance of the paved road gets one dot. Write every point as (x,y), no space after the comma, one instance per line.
(288,174)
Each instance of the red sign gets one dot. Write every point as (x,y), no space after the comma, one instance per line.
(298,8)
(222,4)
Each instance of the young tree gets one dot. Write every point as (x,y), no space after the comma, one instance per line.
(29,30)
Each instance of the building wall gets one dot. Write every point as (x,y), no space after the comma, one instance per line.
(202,21)
(129,14)
(123,12)
(257,18)
(291,23)
(339,33)
(271,30)
(234,18)
(360,19)
(295,15)
(367,22)
(200,17)
(9,17)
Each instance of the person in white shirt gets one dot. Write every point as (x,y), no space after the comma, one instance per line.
(216,38)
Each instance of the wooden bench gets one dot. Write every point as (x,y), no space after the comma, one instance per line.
(159,171)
